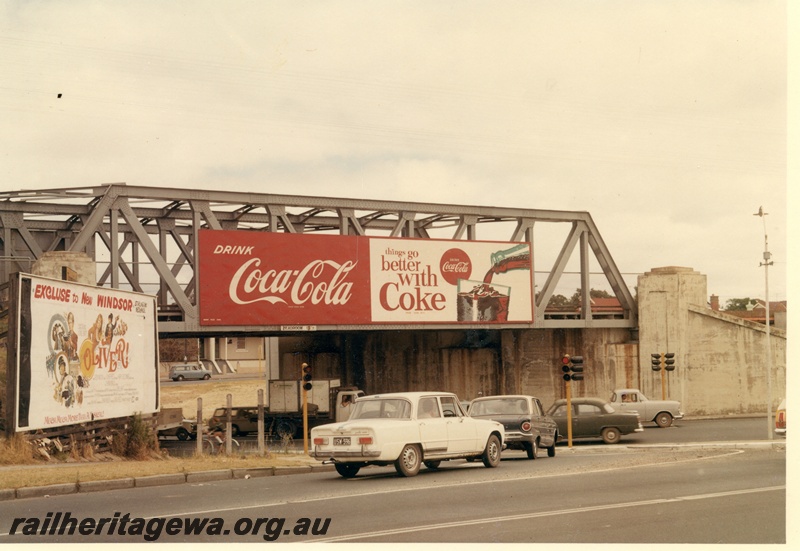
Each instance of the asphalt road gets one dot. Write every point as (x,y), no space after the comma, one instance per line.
(599,494)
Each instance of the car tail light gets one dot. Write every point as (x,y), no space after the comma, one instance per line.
(365,440)
(526,426)
(320,441)
(780,422)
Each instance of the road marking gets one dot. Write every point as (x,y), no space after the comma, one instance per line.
(369,493)
(527,516)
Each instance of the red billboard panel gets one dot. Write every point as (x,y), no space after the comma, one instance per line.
(254,278)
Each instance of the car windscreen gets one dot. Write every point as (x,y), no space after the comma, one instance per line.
(504,406)
(389,408)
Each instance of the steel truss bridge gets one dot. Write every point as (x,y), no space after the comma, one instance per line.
(146,237)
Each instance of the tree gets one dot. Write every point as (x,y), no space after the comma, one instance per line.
(593,293)
(174,350)
(559,301)
(739,304)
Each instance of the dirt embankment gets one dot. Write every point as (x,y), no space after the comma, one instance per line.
(214,394)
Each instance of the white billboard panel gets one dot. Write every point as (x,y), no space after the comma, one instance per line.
(430,280)
(84,353)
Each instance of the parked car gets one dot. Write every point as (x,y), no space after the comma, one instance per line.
(407,430)
(186,431)
(780,419)
(189,371)
(523,418)
(594,418)
(660,412)
(243,419)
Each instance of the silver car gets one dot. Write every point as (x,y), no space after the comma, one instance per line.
(660,412)
(189,371)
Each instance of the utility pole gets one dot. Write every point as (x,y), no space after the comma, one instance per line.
(767,263)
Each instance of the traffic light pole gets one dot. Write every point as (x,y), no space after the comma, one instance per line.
(663,362)
(305,421)
(569,415)
(305,407)
(572,367)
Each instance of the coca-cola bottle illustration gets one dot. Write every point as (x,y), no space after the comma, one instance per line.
(515,258)
(479,301)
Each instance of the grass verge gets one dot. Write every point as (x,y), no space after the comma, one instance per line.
(110,467)
(19,468)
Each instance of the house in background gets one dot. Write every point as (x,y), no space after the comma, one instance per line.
(757,312)
(605,308)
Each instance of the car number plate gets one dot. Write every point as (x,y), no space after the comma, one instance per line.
(341,441)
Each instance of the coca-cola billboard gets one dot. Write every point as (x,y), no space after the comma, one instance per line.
(250,278)
(254,278)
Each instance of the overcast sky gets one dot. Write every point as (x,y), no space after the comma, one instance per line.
(665,120)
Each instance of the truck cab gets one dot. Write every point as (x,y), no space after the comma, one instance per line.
(345,398)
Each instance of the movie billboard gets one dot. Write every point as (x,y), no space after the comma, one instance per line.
(256,278)
(84,353)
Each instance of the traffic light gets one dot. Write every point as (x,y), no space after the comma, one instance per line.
(572,367)
(565,361)
(307,377)
(656,361)
(577,368)
(663,360)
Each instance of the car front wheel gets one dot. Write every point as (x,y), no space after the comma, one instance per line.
(491,454)
(409,462)
(551,451)
(611,435)
(663,419)
(433,464)
(182,434)
(531,448)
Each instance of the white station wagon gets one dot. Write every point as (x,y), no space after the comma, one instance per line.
(406,430)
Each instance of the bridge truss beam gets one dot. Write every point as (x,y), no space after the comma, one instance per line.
(144,239)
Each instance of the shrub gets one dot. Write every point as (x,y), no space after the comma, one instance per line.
(137,441)
(15,451)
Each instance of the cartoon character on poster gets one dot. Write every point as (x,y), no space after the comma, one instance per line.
(62,363)
(65,383)
(72,367)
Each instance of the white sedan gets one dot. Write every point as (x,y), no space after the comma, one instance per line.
(406,430)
